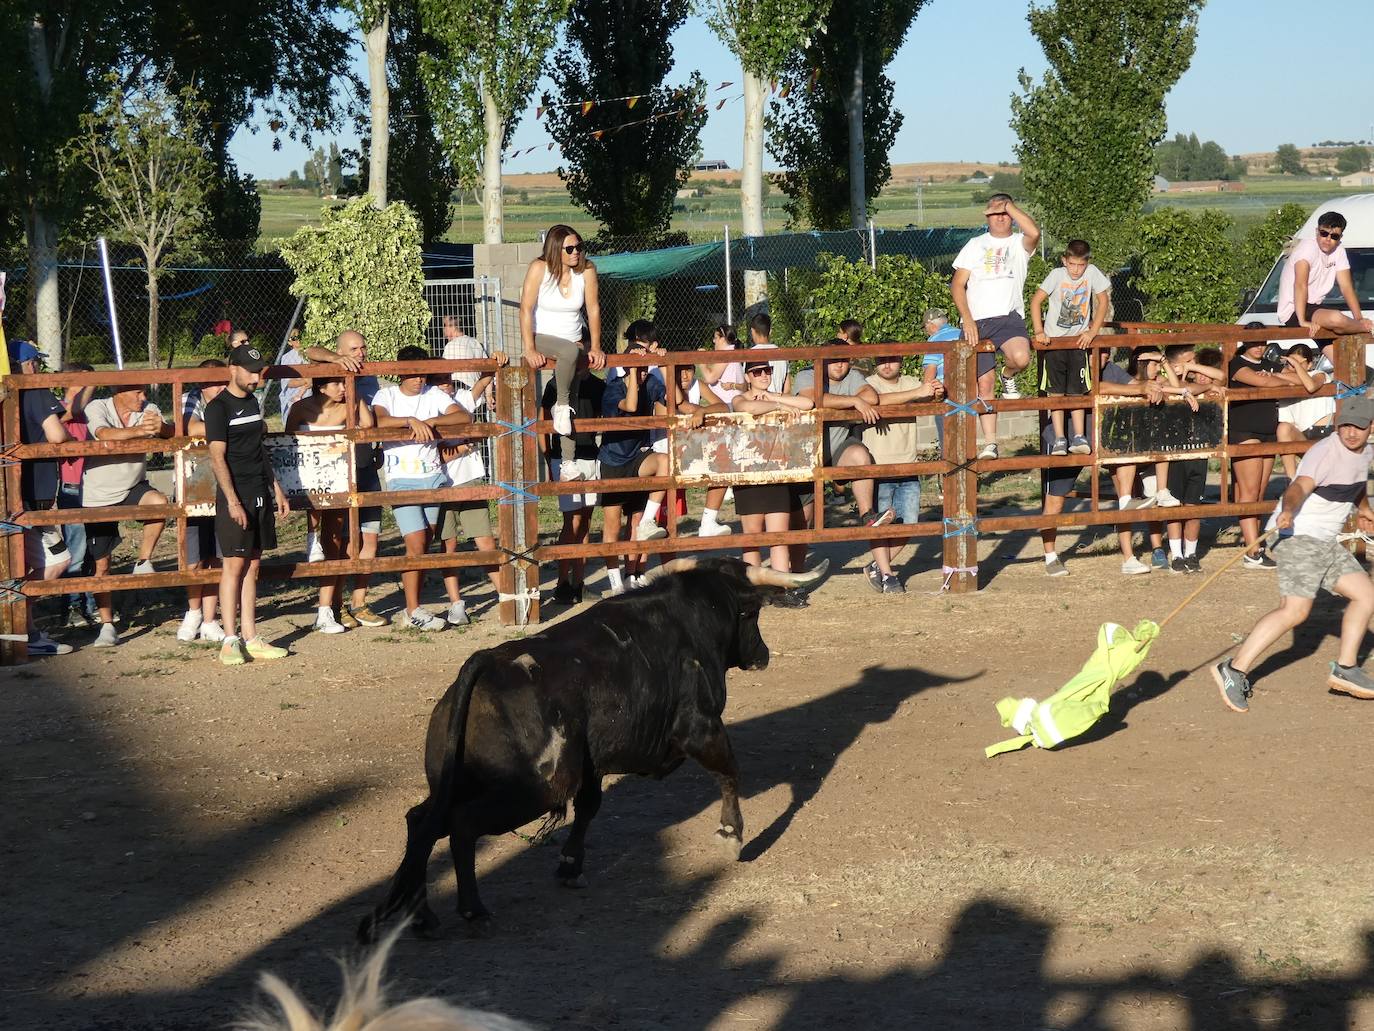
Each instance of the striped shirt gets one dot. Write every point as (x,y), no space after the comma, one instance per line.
(1341,477)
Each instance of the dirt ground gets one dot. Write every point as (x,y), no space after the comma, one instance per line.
(173,828)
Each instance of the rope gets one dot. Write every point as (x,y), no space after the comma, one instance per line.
(962,525)
(950,572)
(512,427)
(1344,390)
(12,587)
(964,408)
(516,492)
(1265,539)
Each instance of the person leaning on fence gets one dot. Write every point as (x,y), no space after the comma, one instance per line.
(1079,296)
(938,331)
(201,551)
(769,507)
(325,410)
(45,553)
(350,352)
(726,380)
(460,344)
(893,442)
(1312,269)
(1307,418)
(292,390)
(416,465)
(80,609)
(695,400)
(119,480)
(1187,480)
(559,285)
(463,466)
(625,454)
(575,508)
(1118,382)
(989,291)
(248,500)
(1332,481)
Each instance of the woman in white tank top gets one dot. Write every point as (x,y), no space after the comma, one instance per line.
(559,287)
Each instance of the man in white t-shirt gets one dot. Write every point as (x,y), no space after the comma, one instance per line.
(989,291)
(416,464)
(1332,481)
(1311,270)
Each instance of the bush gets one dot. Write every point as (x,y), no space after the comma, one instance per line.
(1185,271)
(1256,253)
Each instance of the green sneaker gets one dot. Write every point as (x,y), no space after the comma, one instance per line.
(231,652)
(257,648)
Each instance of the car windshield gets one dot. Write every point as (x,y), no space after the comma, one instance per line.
(1361,271)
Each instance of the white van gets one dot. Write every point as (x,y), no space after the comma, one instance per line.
(1358,210)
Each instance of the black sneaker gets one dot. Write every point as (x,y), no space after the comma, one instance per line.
(1234,686)
(892,585)
(874,578)
(1260,560)
(1193,564)
(1178,565)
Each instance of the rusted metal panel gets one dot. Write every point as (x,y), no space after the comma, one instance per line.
(780,447)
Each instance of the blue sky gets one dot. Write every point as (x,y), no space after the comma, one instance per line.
(957,69)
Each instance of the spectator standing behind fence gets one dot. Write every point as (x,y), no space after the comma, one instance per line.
(350,353)
(1332,482)
(415,464)
(80,609)
(1079,296)
(120,480)
(893,442)
(1308,418)
(1188,478)
(1118,382)
(575,508)
(292,390)
(460,345)
(1316,265)
(559,286)
(248,500)
(989,291)
(697,400)
(45,553)
(201,552)
(938,331)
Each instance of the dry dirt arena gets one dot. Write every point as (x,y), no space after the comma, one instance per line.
(173,828)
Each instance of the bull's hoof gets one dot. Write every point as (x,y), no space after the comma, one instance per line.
(575,881)
(425,924)
(729,840)
(478,915)
(367,930)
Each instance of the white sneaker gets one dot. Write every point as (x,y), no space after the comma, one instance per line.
(1165,499)
(107,638)
(314,550)
(562,420)
(989,451)
(458,614)
(212,632)
(1010,391)
(613,589)
(649,531)
(325,623)
(637,582)
(1134,567)
(190,626)
(715,530)
(422,619)
(141,568)
(568,471)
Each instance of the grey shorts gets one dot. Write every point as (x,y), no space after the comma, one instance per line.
(1307,564)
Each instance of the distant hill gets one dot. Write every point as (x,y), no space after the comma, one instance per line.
(902,175)
(1318,160)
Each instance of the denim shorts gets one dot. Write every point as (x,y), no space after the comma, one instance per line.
(411,518)
(903,497)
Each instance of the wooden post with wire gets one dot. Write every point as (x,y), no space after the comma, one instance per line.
(961,482)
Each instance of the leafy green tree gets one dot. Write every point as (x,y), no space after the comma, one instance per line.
(763,35)
(837,96)
(1188,158)
(1261,245)
(492,54)
(360,269)
(1184,274)
(1352,159)
(889,300)
(626,179)
(1087,130)
(1288,160)
(151,174)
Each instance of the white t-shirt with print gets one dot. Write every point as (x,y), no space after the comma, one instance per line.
(997,274)
(405,459)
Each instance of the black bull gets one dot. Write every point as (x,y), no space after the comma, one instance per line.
(635,684)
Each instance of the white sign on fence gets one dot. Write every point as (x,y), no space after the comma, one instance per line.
(314,467)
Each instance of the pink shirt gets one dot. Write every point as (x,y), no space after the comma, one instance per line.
(70,468)
(1321,274)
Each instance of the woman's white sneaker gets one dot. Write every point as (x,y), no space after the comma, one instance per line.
(325,623)
(562,420)
(190,626)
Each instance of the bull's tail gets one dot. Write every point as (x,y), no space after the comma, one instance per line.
(427,822)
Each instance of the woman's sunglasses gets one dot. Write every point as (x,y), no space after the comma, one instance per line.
(573,248)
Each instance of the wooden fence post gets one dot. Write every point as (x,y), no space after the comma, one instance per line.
(961,482)
(14,622)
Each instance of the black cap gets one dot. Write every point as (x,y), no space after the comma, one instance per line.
(246,356)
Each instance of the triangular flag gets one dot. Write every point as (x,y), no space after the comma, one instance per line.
(550,146)
(587,106)
(722,104)
(631,102)
(815,77)
(700,108)
(772,85)
(538,113)
(786,89)
(723,85)
(598,134)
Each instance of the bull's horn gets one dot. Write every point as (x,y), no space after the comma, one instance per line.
(677,565)
(761,577)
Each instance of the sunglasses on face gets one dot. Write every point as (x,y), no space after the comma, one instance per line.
(573,248)
(1330,234)
(759,372)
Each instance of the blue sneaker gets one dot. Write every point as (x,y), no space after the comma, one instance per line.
(1159,560)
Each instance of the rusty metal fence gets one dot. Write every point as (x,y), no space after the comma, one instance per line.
(518,434)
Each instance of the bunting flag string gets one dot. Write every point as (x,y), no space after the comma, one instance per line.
(585,106)
(599,134)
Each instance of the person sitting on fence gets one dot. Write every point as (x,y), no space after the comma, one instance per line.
(1187,479)
(559,286)
(769,507)
(1315,265)
(846,389)
(1079,296)
(625,454)
(1307,418)
(938,330)
(697,400)
(989,291)
(120,480)
(575,508)
(201,599)
(463,466)
(248,500)
(80,609)
(45,553)
(893,442)
(1332,483)
(416,464)
(1253,422)
(350,353)
(325,410)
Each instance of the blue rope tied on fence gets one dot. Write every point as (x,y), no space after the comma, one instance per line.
(512,427)
(960,526)
(1346,390)
(12,587)
(516,491)
(962,408)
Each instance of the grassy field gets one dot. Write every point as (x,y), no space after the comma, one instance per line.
(531,208)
